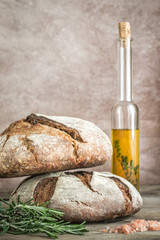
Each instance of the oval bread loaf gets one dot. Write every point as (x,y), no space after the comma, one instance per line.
(40,144)
(83,196)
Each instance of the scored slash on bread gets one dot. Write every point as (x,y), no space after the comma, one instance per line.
(40,144)
(83,196)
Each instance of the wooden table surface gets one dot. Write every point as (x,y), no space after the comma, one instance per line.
(150,211)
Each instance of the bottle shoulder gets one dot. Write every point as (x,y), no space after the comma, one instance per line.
(120,105)
(125,115)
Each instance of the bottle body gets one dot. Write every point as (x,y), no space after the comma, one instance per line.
(125,141)
(125,119)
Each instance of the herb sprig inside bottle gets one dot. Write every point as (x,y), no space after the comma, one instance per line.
(127,165)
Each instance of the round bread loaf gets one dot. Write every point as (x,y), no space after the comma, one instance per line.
(40,144)
(82,196)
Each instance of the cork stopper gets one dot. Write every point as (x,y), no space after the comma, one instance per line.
(124,32)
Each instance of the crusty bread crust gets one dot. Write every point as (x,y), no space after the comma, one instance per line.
(83,196)
(40,144)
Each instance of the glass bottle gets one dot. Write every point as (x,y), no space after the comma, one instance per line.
(125,119)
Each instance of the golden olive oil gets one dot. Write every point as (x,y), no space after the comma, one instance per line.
(125,159)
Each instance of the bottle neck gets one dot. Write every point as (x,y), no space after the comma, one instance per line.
(125,69)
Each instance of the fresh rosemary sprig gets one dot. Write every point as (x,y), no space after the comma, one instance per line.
(19,217)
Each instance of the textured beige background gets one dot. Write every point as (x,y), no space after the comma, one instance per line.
(58,57)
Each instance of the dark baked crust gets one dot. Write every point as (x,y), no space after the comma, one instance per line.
(84,176)
(127,196)
(45,190)
(34,119)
